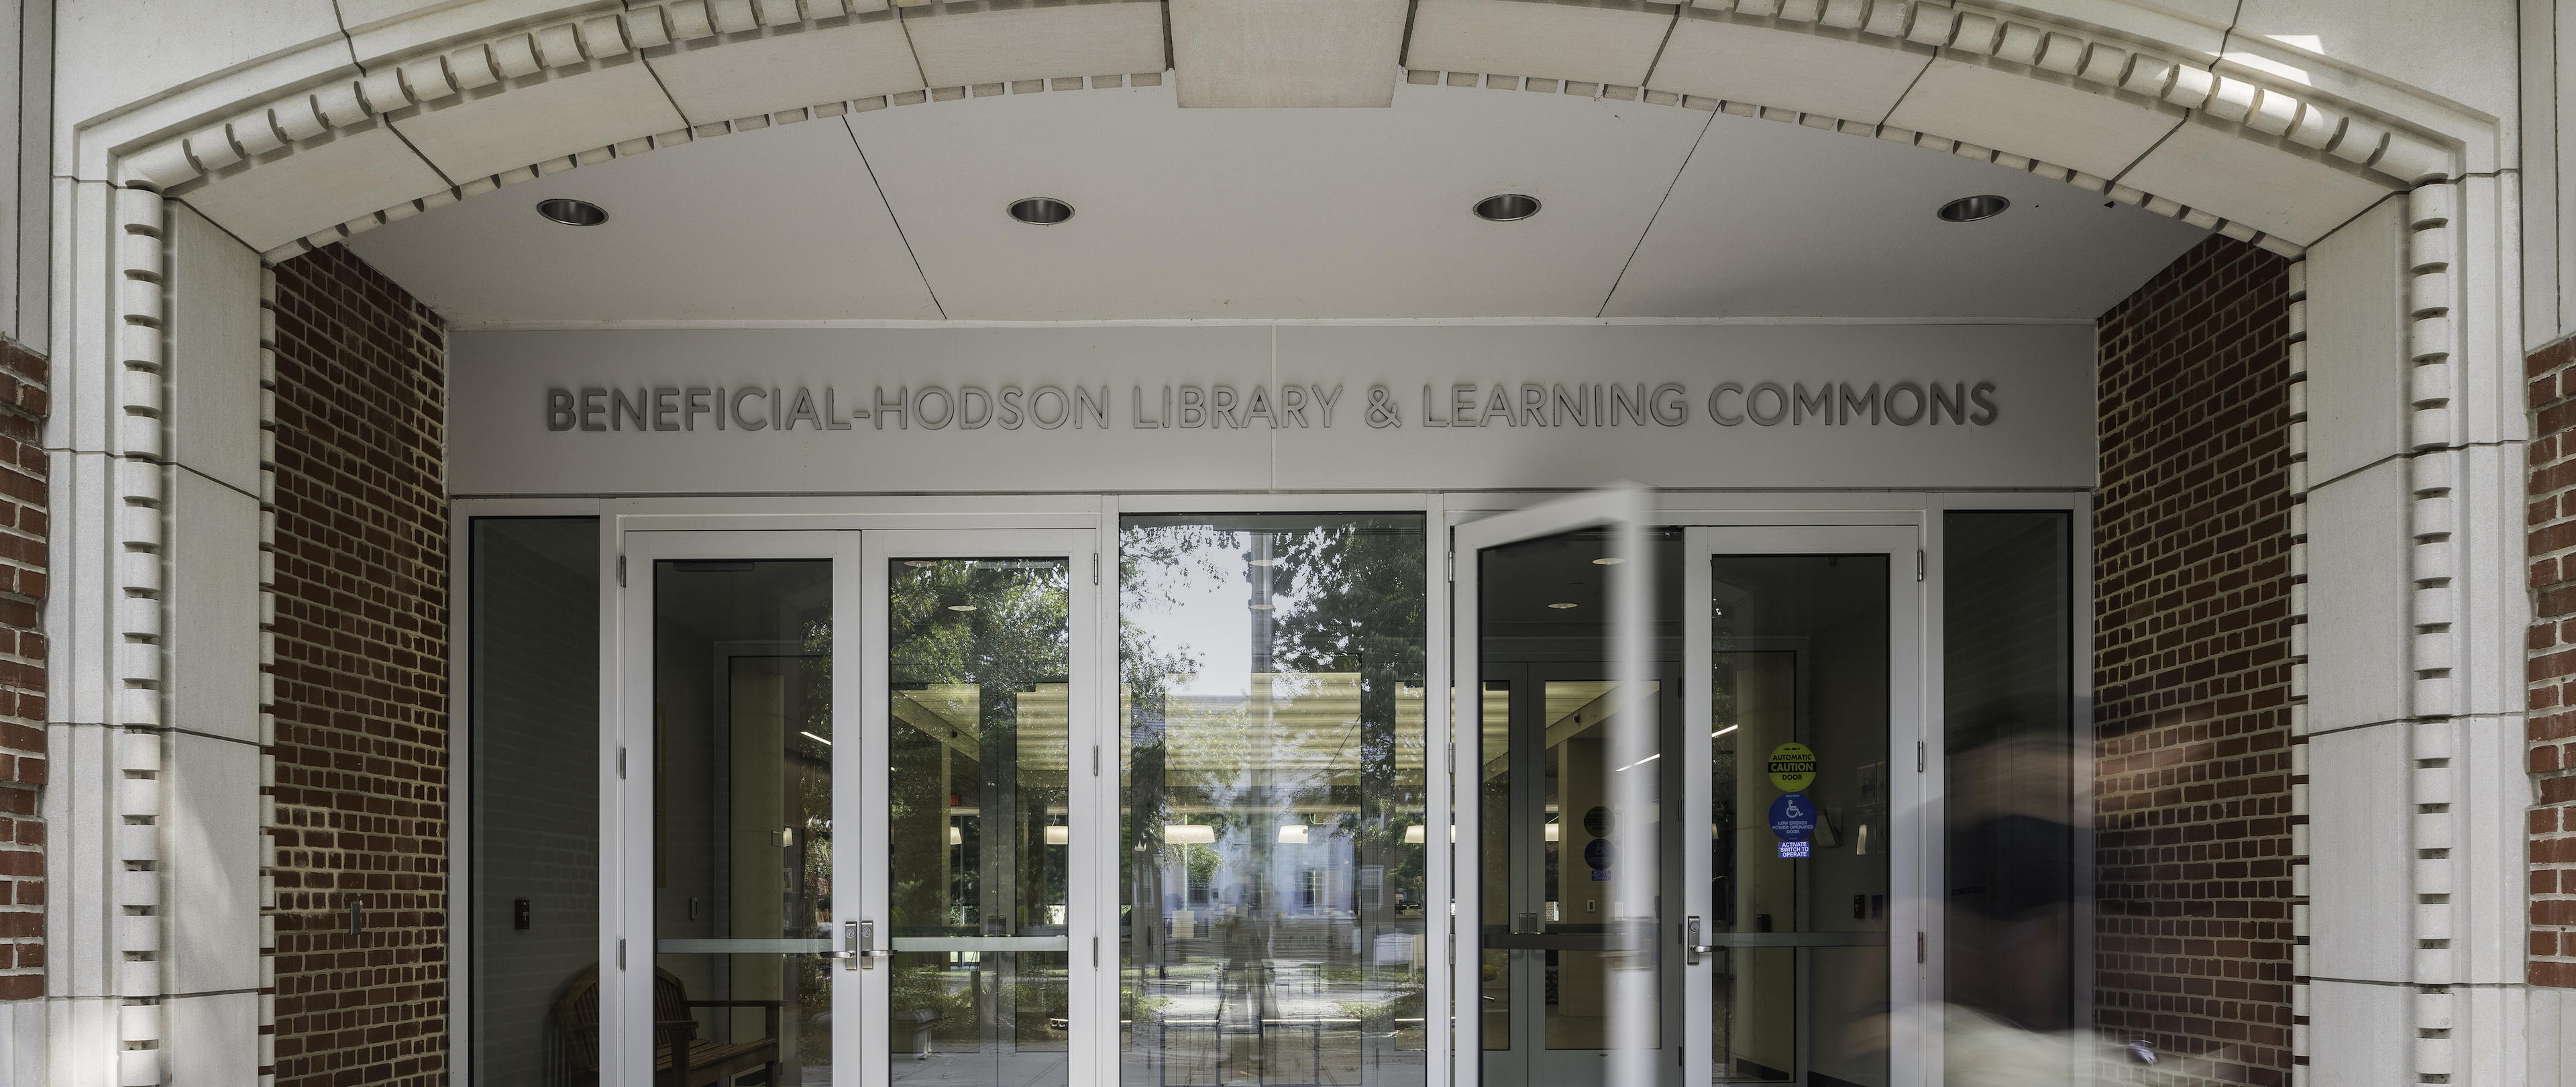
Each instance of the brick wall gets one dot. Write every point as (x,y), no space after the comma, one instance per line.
(23,529)
(2552,675)
(2191,669)
(361,703)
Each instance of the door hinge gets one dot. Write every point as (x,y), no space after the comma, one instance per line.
(1918,756)
(1453,567)
(621,763)
(1095,952)
(621,571)
(1918,564)
(1095,568)
(1918,947)
(621,954)
(1095,760)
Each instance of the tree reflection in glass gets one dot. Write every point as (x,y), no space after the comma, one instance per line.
(1272,889)
(977,658)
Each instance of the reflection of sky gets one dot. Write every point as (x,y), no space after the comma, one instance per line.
(1207,617)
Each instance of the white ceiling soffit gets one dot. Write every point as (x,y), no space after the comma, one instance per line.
(1286,53)
(1781,220)
(1604,41)
(1785,69)
(1279,214)
(777,223)
(716,80)
(992,41)
(1274,213)
(2071,126)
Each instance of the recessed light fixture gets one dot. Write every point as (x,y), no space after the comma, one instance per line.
(1969,209)
(572,212)
(1510,207)
(1041,211)
(961,607)
(1560,607)
(1608,562)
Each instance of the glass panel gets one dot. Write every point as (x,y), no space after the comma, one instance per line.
(534,684)
(742,819)
(1799,697)
(2009,739)
(977,663)
(1554,941)
(1272,673)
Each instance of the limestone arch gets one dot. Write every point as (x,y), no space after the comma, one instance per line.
(2248,153)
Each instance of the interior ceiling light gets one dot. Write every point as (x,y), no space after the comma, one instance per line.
(919,564)
(1608,562)
(1969,209)
(1560,606)
(572,212)
(1510,207)
(961,607)
(1041,210)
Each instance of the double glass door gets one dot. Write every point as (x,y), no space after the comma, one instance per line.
(1691,781)
(871,759)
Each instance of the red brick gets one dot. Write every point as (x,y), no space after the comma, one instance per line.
(2190,607)
(361,688)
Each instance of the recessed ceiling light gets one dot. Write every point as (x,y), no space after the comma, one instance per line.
(1510,207)
(572,212)
(1608,562)
(1560,606)
(961,607)
(1041,210)
(1969,209)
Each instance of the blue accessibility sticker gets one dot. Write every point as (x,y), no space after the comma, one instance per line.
(1793,817)
(1793,850)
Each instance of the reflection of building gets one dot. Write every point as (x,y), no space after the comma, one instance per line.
(1011,518)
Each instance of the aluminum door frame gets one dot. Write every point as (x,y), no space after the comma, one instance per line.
(626,936)
(1091,881)
(1914,997)
(1625,509)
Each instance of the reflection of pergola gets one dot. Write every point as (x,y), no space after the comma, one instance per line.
(951,713)
(1307,728)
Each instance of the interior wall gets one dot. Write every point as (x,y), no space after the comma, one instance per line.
(2192,678)
(360,678)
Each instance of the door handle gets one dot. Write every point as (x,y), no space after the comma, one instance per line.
(1692,949)
(849,952)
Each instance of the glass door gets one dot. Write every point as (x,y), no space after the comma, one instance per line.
(1565,857)
(918,704)
(735,697)
(1802,940)
(981,956)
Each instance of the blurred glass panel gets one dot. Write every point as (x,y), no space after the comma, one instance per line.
(742,818)
(2009,736)
(978,652)
(1272,670)
(533,686)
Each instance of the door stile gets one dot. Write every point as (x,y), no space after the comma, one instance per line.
(1442,1049)
(1698,803)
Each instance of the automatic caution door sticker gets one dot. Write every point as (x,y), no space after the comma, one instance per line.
(1793,767)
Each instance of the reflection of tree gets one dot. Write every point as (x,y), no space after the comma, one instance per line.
(1013,636)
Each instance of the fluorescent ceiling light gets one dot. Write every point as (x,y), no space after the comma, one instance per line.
(1293,834)
(815,738)
(1188,834)
(1058,835)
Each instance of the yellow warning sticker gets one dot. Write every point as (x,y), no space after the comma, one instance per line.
(1793,767)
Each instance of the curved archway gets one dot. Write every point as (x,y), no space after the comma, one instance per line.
(2261,159)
